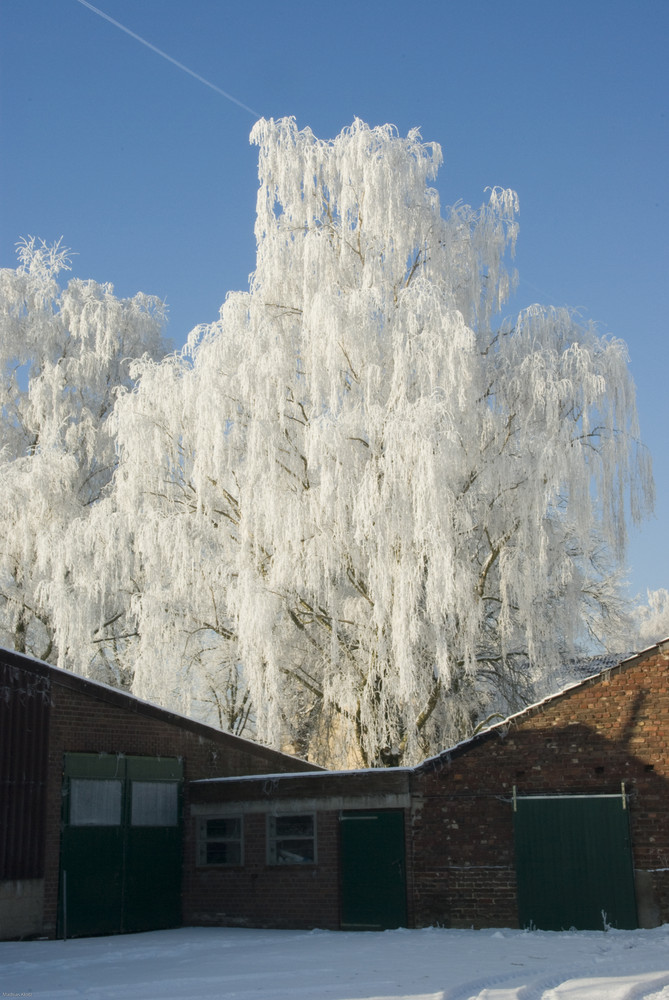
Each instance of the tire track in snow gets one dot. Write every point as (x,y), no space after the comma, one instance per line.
(575,984)
(642,986)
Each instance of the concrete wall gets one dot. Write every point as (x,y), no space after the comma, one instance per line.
(21,908)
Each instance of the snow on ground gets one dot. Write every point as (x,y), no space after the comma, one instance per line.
(432,964)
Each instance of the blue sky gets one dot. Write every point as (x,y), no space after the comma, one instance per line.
(149,176)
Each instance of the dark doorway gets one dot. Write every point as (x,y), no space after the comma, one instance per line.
(373,871)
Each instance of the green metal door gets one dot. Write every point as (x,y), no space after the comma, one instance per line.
(120,844)
(91,860)
(373,875)
(152,898)
(574,863)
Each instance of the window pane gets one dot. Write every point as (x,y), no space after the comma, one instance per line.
(294,826)
(224,828)
(224,852)
(292,840)
(154,803)
(294,852)
(95,802)
(220,841)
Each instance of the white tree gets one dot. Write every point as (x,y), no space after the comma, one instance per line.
(360,502)
(653,618)
(64,354)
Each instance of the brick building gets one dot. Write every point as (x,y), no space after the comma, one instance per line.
(298,850)
(556,817)
(556,814)
(93,787)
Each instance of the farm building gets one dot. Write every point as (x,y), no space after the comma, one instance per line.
(94,784)
(557,817)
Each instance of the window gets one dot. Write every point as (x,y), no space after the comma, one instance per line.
(220,841)
(292,840)
(155,803)
(95,802)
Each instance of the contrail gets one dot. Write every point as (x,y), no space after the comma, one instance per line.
(175,62)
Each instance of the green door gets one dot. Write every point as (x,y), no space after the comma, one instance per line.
(91,871)
(373,878)
(152,899)
(120,844)
(574,863)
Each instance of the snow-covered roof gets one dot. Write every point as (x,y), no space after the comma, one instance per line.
(282,775)
(598,666)
(615,663)
(106,692)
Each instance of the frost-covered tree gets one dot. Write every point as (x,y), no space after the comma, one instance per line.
(64,354)
(652,619)
(360,505)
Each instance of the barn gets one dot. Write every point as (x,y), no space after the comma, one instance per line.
(558,817)
(119,816)
(94,785)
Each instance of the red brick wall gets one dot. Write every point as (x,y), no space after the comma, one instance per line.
(460,852)
(588,740)
(261,895)
(460,844)
(88,718)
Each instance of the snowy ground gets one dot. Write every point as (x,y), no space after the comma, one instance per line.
(434,964)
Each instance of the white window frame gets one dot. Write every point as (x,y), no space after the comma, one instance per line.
(277,855)
(204,838)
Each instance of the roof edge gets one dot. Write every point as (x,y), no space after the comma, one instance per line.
(130,702)
(458,748)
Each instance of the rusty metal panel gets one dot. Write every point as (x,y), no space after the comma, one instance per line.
(25,699)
